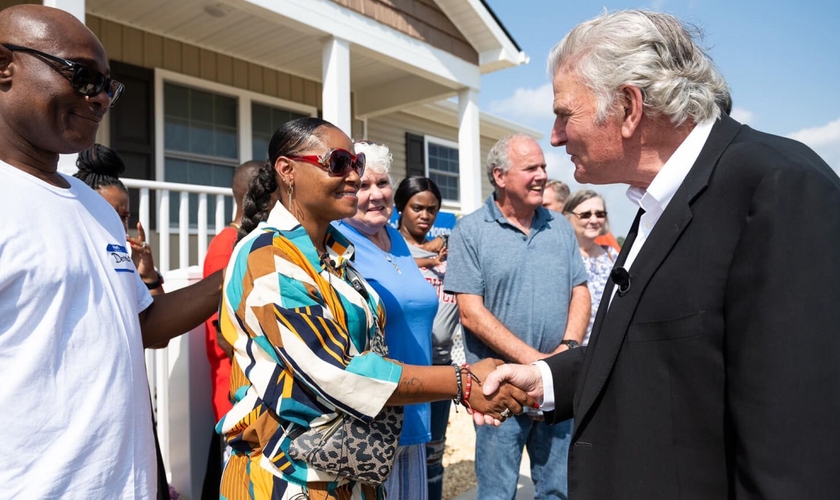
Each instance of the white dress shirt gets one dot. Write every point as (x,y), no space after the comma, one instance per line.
(654,200)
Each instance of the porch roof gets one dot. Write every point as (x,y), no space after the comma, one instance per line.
(388,68)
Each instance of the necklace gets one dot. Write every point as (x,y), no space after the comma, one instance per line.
(385,254)
(388,258)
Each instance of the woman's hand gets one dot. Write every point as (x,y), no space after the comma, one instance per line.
(435,245)
(504,402)
(141,254)
(441,256)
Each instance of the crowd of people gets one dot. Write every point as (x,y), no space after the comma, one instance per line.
(680,365)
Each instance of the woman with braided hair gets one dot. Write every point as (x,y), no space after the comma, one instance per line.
(301,321)
(100,168)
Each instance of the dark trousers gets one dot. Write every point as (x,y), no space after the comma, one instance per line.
(213,474)
(162,484)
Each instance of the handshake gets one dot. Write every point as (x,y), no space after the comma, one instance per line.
(506,389)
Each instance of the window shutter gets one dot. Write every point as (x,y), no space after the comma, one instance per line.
(415,155)
(133,131)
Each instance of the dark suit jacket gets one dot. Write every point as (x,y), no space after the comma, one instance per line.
(717,376)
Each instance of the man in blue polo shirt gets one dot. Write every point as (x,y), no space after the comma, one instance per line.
(521,288)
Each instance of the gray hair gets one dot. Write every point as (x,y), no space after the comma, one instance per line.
(561,189)
(651,51)
(579,197)
(499,157)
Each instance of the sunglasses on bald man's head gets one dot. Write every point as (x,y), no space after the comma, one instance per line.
(337,162)
(84,80)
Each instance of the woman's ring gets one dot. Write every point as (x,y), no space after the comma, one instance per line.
(506,413)
(144,245)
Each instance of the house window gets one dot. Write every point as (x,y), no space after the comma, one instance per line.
(265,120)
(200,143)
(442,167)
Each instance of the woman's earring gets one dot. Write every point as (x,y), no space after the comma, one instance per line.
(291,195)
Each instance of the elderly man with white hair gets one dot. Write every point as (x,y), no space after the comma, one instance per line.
(713,371)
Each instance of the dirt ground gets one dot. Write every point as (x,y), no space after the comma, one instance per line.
(458,458)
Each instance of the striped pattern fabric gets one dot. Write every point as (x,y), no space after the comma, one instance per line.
(301,338)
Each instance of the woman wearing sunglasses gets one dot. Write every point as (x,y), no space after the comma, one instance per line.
(586,211)
(301,325)
(383,258)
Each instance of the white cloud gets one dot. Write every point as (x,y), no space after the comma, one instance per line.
(657,5)
(558,164)
(526,103)
(825,140)
(742,115)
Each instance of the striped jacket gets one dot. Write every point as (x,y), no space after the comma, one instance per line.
(300,335)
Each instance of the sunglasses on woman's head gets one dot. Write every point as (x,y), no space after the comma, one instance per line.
(84,80)
(337,162)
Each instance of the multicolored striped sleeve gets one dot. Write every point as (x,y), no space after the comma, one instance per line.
(302,337)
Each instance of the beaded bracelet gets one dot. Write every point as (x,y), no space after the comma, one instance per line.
(467,389)
(460,394)
(463,397)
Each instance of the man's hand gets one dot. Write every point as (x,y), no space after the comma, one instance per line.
(503,401)
(525,377)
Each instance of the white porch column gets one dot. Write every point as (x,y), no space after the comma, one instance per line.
(469,150)
(336,77)
(67,163)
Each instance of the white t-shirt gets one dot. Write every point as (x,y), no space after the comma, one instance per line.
(74,402)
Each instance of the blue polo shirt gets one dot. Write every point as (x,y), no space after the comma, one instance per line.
(526,280)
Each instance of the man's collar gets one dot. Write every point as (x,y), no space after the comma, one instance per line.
(669,178)
(492,212)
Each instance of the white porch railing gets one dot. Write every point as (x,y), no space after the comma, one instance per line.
(179,374)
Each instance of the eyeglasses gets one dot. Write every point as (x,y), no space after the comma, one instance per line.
(587,215)
(338,162)
(84,80)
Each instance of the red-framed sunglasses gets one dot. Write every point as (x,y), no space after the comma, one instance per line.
(337,162)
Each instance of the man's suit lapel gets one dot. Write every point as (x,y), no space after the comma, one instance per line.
(613,320)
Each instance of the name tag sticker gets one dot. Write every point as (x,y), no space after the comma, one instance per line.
(120,258)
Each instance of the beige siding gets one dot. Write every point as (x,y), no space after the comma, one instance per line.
(391,129)
(420,19)
(130,45)
(11,3)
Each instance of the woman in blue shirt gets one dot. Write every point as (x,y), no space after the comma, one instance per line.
(383,258)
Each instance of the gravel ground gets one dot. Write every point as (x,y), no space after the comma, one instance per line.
(458,458)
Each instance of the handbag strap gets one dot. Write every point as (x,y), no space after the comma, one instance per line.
(377,342)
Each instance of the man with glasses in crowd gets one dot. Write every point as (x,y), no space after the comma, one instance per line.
(521,289)
(74,313)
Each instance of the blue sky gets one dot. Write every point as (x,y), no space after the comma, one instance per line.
(781,59)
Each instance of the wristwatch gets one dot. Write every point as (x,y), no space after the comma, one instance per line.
(155,284)
(573,344)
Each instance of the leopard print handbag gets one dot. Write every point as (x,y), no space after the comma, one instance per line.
(352,448)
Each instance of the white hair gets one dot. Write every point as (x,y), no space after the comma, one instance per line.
(651,51)
(377,156)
